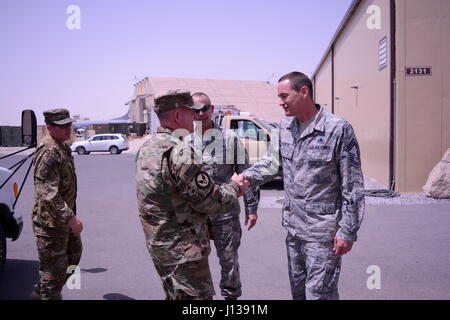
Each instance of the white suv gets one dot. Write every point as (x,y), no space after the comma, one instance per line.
(112,142)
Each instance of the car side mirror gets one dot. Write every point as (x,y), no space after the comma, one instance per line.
(29,128)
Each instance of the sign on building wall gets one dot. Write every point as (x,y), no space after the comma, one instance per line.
(382,54)
(418,71)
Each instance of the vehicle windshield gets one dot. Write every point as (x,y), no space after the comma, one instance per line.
(264,124)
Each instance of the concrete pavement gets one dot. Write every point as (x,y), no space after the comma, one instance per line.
(408,243)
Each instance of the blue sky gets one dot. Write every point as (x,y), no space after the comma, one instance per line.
(92,70)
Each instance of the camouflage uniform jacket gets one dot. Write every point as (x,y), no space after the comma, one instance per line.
(221,150)
(323,180)
(175,198)
(56,188)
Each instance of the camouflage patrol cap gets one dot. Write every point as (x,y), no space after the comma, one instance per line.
(174,99)
(57,116)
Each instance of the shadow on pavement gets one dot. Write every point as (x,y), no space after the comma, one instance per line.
(94,270)
(18,279)
(117,296)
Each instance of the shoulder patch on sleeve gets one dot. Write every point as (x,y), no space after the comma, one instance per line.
(47,165)
(202,180)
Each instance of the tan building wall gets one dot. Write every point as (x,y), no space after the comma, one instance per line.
(367,108)
(140,102)
(420,104)
(423,104)
(323,84)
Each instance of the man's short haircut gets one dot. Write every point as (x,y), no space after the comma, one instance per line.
(298,80)
(201,94)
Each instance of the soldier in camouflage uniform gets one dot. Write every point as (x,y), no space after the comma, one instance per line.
(55,224)
(324,186)
(223,155)
(175,196)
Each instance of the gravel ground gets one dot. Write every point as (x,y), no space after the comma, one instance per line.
(406,199)
(403,199)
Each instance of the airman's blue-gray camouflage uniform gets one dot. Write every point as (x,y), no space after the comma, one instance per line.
(223,155)
(324,198)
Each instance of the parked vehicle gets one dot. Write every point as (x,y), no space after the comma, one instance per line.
(11,221)
(254,133)
(108,142)
(222,111)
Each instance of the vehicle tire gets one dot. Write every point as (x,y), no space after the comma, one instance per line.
(114,150)
(81,150)
(2,249)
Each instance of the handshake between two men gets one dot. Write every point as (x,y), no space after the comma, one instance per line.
(243,183)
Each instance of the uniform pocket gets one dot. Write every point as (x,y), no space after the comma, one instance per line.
(331,278)
(319,154)
(323,270)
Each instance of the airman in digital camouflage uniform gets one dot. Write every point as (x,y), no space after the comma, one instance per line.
(175,196)
(223,155)
(55,224)
(324,188)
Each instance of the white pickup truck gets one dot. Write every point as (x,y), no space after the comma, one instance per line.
(11,222)
(254,133)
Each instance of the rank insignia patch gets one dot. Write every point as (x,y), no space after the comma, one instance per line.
(353,153)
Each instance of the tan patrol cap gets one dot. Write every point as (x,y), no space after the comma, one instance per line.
(57,116)
(174,99)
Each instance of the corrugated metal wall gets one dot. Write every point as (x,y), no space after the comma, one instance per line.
(10,136)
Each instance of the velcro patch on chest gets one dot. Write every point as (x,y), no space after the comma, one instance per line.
(318,147)
(191,171)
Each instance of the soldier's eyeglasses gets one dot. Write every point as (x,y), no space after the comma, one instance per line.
(204,109)
(62,126)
